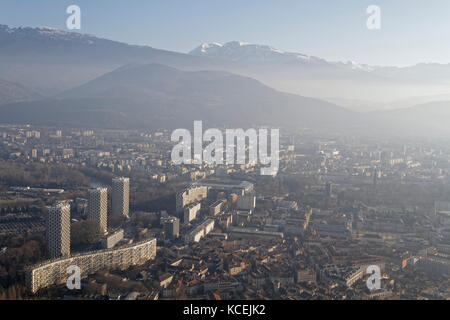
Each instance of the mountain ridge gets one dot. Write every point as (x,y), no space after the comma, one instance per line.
(51,61)
(153,93)
(13,92)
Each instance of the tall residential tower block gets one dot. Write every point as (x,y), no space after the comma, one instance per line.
(58,230)
(121,197)
(98,207)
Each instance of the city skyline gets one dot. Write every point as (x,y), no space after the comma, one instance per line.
(106,192)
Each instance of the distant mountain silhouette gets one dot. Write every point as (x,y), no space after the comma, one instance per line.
(155,95)
(425,120)
(13,92)
(52,61)
(89,81)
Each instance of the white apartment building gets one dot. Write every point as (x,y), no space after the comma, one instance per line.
(190,212)
(190,195)
(121,197)
(200,231)
(98,207)
(55,271)
(58,230)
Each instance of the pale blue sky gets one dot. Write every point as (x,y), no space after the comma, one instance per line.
(412,31)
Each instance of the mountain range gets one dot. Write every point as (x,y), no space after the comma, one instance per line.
(49,76)
(340,82)
(155,95)
(14,92)
(51,61)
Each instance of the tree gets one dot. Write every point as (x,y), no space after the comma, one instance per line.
(84,233)
(115,221)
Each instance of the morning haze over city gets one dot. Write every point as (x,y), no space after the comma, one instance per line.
(224,150)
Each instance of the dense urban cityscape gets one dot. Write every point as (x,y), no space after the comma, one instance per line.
(224,159)
(139,227)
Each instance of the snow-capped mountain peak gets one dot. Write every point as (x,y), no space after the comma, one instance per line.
(355,66)
(205,47)
(248,52)
(46,32)
(47,28)
(255,53)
